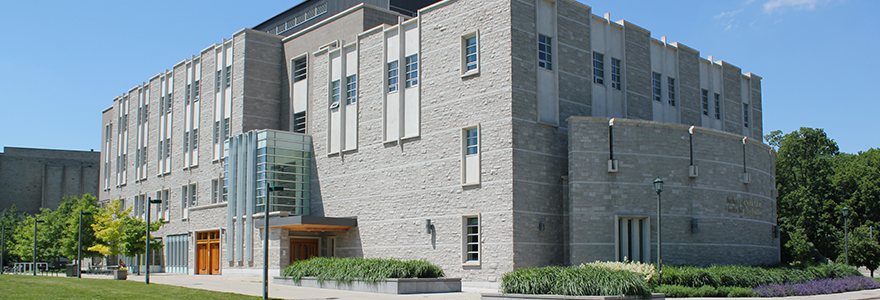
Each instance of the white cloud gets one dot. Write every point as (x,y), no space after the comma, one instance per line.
(772,5)
(729,14)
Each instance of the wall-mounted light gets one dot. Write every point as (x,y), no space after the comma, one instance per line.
(429,228)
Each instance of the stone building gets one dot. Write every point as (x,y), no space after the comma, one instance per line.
(483,136)
(31,179)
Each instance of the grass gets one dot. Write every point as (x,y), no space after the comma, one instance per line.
(44,287)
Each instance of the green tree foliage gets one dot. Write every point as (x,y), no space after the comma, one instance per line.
(857,180)
(9,218)
(68,213)
(24,239)
(806,194)
(120,233)
(863,250)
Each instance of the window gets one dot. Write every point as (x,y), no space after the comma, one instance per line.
(655,78)
(186,141)
(412,70)
(299,122)
(225,128)
(196,91)
(472,141)
(167,147)
(351,89)
(334,94)
(745,115)
(392,76)
(671,88)
(472,239)
(469,53)
(299,69)
(599,68)
(615,73)
(215,191)
(545,52)
(217,83)
(705,102)
(216,132)
(717,106)
(195,139)
(187,94)
(228,75)
(160,150)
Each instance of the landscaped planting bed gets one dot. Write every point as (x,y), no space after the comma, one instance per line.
(369,275)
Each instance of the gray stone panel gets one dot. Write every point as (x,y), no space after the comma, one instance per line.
(732,97)
(689,86)
(637,77)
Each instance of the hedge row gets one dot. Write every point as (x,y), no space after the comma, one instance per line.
(367,269)
(574,281)
(677,291)
(750,277)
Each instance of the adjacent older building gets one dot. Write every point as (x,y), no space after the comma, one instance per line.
(31,179)
(483,136)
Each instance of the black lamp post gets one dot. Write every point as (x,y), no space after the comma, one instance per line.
(35,244)
(269,189)
(150,203)
(846,234)
(658,187)
(3,247)
(79,251)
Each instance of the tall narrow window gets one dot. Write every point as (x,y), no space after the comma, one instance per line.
(472,240)
(615,73)
(671,89)
(187,94)
(472,141)
(218,82)
(216,132)
(228,75)
(655,79)
(196,91)
(351,89)
(545,52)
(334,94)
(717,106)
(705,102)
(195,138)
(215,191)
(632,242)
(469,53)
(392,76)
(598,68)
(299,69)
(412,70)
(470,156)
(745,115)
(299,122)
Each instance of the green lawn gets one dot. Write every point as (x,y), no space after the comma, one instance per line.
(43,287)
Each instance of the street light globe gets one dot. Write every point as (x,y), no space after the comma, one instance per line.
(658,185)
(845,211)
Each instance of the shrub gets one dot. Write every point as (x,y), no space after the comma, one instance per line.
(370,269)
(584,280)
(749,277)
(647,271)
(817,287)
(678,291)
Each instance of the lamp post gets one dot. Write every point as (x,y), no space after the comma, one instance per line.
(79,251)
(3,247)
(846,234)
(269,189)
(35,244)
(150,203)
(658,187)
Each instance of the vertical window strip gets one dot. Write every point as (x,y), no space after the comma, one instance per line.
(615,73)
(470,53)
(300,70)
(745,115)
(472,141)
(545,52)
(598,68)
(217,82)
(671,89)
(472,232)
(334,94)
(717,106)
(705,102)
(228,76)
(655,78)
(351,89)
(392,76)
(412,70)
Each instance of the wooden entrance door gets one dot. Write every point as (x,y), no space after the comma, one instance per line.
(208,252)
(302,249)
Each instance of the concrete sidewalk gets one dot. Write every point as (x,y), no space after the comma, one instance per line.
(253,286)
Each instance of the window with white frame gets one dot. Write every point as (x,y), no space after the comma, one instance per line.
(218,81)
(334,94)
(299,69)
(470,156)
(655,79)
(469,54)
(472,141)
(598,68)
(671,89)
(745,115)
(545,52)
(351,89)
(471,241)
(412,70)
(228,76)
(215,191)
(615,73)
(717,106)
(392,76)
(705,102)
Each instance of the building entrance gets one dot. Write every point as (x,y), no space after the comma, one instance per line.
(208,253)
(302,249)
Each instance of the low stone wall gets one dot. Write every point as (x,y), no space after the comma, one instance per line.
(390,286)
(494,296)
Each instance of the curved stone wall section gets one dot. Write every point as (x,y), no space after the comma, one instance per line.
(719,216)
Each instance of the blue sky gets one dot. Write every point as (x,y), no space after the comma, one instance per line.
(64,61)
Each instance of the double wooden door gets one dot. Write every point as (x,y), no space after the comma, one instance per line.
(208,253)
(302,249)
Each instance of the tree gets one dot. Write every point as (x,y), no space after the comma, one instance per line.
(24,239)
(807,198)
(120,233)
(857,180)
(10,218)
(863,250)
(68,213)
